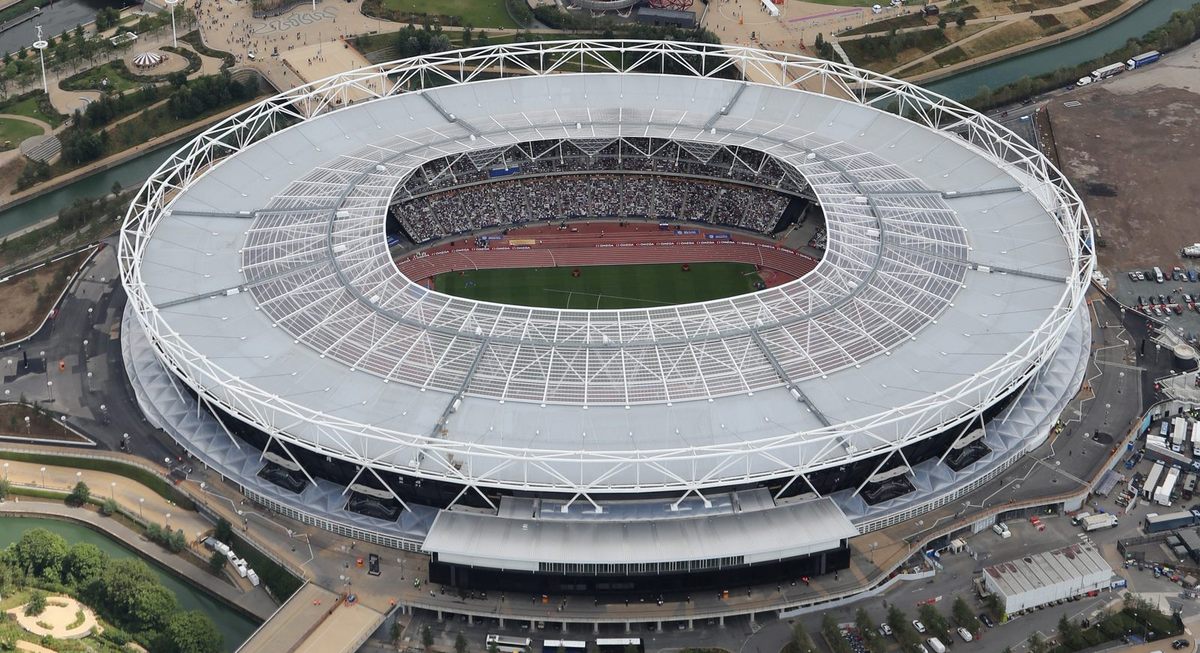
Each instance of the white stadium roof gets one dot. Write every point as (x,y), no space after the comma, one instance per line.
(953,267)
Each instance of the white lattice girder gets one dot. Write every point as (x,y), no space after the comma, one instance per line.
(314,261)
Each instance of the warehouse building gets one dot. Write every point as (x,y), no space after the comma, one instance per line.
(1044,578)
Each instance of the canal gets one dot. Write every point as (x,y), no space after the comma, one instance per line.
(1076,51)
(234,626)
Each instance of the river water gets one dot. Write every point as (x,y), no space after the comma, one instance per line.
(234,626)
(1076,51)
(961,86)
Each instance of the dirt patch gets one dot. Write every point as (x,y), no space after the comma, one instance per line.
(42,426)
(1020,31)
(27,297)
(1133,158)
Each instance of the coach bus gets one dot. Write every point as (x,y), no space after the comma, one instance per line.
(619,644)
(564,646)
(505,644)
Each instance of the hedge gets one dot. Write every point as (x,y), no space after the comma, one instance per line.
(277,578)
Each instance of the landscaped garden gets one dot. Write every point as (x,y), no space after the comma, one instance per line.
(75,598)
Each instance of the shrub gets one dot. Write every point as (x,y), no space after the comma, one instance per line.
(36,604)
(79,495)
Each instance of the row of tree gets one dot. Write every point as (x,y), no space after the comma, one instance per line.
(124,591)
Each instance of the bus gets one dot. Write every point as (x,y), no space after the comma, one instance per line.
(564,645)
(619,644)
(505,644)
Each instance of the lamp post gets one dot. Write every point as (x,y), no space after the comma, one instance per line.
(112,490)
(141,502)
(168,518)
(40,45)
(43,477)
(50,389)
(171,4)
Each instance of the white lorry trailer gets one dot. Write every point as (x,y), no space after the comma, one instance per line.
(1096,522)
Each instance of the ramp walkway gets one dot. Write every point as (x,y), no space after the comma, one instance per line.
(314,619)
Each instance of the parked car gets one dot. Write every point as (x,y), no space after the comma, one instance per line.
(885,630)
(965,634)
(987,620)
(919,626)
(1179,643)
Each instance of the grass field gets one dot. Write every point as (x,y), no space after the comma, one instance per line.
(487,14)
(12,132)
(602,287)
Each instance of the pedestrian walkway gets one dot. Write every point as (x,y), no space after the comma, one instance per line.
(314,620)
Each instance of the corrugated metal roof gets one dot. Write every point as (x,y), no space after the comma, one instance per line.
(777,532)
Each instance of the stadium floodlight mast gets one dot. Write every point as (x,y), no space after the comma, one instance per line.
(40,45)
(174,38)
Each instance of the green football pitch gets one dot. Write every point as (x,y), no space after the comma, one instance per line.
(603,286)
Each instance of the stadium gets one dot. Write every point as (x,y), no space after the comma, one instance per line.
(287,323)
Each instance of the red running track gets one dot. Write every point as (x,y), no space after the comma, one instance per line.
(786,264)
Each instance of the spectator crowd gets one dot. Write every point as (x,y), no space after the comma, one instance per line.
(513,201)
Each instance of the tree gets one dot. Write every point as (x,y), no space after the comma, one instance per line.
(109,508)
(800,639)
(961,20)
(933,619)
(216,562)
(190,632)
(426,637)
(130,593)
(1071,634)
(833,635)
(84,563)
(1037,644)
(36,604)
(79,495)
(41,553)
(867,630)
(941,24)
(902,628)
(5,488)
(176,541)
(224,530)
(395,631)
(460,643)
(963,615)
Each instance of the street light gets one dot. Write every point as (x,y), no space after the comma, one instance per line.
(50,389)
(168,518)
(171,4)
(40,45)
(43,477)
(141,502)
(112,490)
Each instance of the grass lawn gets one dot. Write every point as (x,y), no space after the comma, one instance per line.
(92,79)
(12,132)
(29,107)
(602,287)
(477,13)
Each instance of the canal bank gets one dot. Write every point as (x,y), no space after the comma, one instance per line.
(129,168)
(1063,54)
(193,590)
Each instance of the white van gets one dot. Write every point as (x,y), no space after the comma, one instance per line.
(936,645)
(1158,275)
